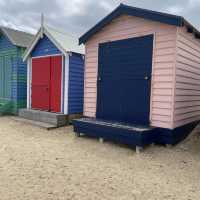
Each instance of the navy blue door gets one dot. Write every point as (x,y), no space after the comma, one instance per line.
(124,80)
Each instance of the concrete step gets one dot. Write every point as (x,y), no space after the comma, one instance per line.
(55,119)
(35,123)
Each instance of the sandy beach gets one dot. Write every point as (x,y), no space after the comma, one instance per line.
(36,164)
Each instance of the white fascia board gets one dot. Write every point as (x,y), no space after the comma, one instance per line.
(30,48)
(40,33)
(55,42)
(66,84)
(29,78)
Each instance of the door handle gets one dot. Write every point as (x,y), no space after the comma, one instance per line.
(99,78)
(146,77)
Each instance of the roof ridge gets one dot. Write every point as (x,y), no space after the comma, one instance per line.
(162,17)
(17,37)
(62,32)
(148,10)
(13,29)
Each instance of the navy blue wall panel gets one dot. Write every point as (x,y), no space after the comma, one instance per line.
(21,78)
(76,83)
(45,47)
(5,44)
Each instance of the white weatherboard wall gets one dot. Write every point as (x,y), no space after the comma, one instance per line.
(187,87)
(163,67)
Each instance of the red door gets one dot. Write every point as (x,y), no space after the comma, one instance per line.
(46,83)
(40,83)
(55,83)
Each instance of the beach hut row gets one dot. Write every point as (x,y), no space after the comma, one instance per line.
(137,81)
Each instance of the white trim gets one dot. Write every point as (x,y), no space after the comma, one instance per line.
(29,78)
(34,42)
(52,55)
(152,78)
(42,30)
(54,41)
(62,86)
(66,84)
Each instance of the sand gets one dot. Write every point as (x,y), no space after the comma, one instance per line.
(36,164)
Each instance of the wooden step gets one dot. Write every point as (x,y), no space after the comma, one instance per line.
(56,119)
(35,123)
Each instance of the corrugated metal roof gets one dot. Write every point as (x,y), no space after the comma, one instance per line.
(68,42)
(18,38)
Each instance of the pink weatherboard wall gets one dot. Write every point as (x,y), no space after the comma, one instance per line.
(187,86)
(167,92)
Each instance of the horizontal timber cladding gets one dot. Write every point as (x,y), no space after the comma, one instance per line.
(187,88)
(6,45)
(163,67)
(5,77)
(21,78)
(45,47)
(12,77)
(76,81)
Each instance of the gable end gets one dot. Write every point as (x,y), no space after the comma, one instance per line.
(45,47)
(137,12)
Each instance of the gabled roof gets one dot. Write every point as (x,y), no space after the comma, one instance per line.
(16,37)
(139,12)
(63,41)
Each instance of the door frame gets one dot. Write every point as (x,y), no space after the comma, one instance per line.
(153,33)
(29,80)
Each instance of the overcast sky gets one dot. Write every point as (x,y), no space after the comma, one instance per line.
(77,16)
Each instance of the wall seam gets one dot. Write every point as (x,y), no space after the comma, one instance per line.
(152,76)
(84,80)
(174,79)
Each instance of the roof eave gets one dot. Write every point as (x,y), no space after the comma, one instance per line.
(32,45)
(192,29)
(58,45)
(3,30)
(7,35)
(137,12)
(99,25)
